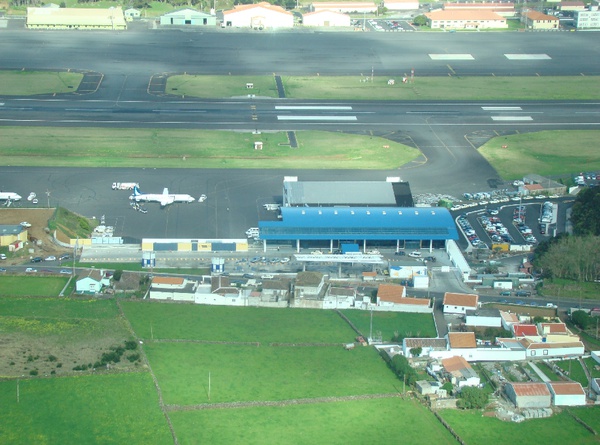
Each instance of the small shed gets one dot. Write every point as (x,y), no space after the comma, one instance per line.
(132,13)
(188,17)
(567,393)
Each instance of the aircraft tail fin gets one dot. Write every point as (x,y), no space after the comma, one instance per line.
(165,191)
(136,191)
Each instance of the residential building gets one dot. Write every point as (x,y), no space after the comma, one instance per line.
(222,293)
(427,345)
(187,17)
(484,317)
(528,395)
(556,333)
(428,388)
(459,372)
(505,9)
(537,20)
(523,330)
(572,6)
(463,344)
(465,19)
(173,288)
(325,18)
(10,233)
(132,13)
(596,386)
(392,297)
(91,282)
(509,320)
(547,350)
(261,15)
(455,303)
(567,393)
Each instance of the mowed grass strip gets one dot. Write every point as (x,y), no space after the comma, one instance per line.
(356,422)
(58,308)
(546,153)
(390,323)
(27,83)
(474,428)
(100,147)
(361,87)
(16,286)
(242,373)
(95,409)
(236,324)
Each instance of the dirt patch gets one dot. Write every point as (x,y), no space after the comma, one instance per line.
(38,218)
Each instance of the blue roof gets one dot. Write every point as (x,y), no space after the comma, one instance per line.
(363,223)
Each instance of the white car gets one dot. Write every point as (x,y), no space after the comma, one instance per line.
(25,224)
(415,254)
(202,198)
(30,270)
(50,258)
(285,260)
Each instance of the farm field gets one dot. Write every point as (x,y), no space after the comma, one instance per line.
(266,372)
(16,286)
(590,415)
(92,409)
(390,323)
(355,422)
(474,428)
(236,324)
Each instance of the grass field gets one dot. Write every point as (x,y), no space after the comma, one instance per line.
(58,308)
(16,286)
(357,422)
(101,409)
(474,428)
(236,324)
(590,415)
(26,83)
(360,87)
(99,147)
(546,153)
(575,370)
(406,325)
(571,289)
(547,372)
(250,373)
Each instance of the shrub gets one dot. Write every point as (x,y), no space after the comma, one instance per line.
(33,372)
(133,357)
(52,358)
(131,345)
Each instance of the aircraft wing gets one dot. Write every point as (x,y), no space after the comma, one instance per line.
(166,200)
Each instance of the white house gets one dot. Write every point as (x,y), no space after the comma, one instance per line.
(325,18)
(567,393)
(257,16)
(221,293)
(188,17)
(92,282)
(484,317)
(132,13)
(172,288)
(596,386)
(427,345)
(455,303)
(392,297)
(465,19)
(459,372)
(546,350)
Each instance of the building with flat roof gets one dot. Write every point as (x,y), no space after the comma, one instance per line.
(466,19)
(76,18)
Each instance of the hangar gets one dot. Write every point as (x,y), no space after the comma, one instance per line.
(76,18)
(188,16)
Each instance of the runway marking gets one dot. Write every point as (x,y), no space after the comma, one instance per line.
(312,107)
(316,118)
(501,108)
(512,118)
(527,56)
(451,57)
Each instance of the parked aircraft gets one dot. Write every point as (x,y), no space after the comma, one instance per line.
(165,198)
(9,196)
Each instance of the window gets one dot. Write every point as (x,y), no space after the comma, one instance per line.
(533,353)
(545,352)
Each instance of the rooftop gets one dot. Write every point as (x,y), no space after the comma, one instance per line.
(462,340)
(464,15)
(525,330)
(455,363)
(530,389)
(174,281)
(391,292)
(566,388)
(435,343)
(465,300)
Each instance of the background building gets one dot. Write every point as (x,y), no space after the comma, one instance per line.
(76,18)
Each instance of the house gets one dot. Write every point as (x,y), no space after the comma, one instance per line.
(571,6)
(10,233)
(465,19)
(509,320)
(538,20)
(221,293)
(460,303)
(528,395)
(401,5)
(505,9)
(462,343)
(428,388)
(531,189)
(188,17)
(459,372)
(522,330)
(392,297)
(91,282)
(484,317)
(547,350)
(556,333)
(132,13)
(345,7)
(427,345)
(173,288)
(369,276)
(257,16)
(567,393)
(309,284)
(338,297)
(325,18)
(76,18)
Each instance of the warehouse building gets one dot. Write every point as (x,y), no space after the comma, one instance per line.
(528,395)
(188,17)
(76,18)
(259,16)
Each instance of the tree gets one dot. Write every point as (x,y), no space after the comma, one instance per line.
(117,275)
(471,397)
(403,369)
(581,319)
(416,352)
(420,20)
(586,212)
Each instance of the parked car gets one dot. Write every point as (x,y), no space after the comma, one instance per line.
(2,269)
(25,224)
(30,270)
(50,258)
(506,293)
(523,293)
(65,271)
(36,259)
(415,254)
(400,253)
(64,256)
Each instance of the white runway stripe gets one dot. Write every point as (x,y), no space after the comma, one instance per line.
(316,118)
(527,56)
(512,118)
(501,108)
(312,107)
(451,57)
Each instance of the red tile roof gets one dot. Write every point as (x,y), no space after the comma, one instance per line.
(176,281)
(466,300)
(573,344)
(464,15)
(265,5)
(566,388)
(462,340)
(391,292)
(525,330)
(538,16)
(455,363)
(530,389)
(553,328)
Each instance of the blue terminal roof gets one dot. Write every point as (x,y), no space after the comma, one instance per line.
(360,223)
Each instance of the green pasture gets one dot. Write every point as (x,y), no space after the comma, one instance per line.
(16,286)
(251,373)
(571,289)
(474,428)
(547,372)
(575,371)
(390,323)
(590,415)
(236,324)
(355,422)
(546,153)
(95,409)
(160,148)
(360,86)
(593,367)
(28,83)
(63,308)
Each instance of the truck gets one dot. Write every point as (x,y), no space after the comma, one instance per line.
(124,185)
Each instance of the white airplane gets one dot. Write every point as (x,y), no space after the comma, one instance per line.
(164,199)
(9,196)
